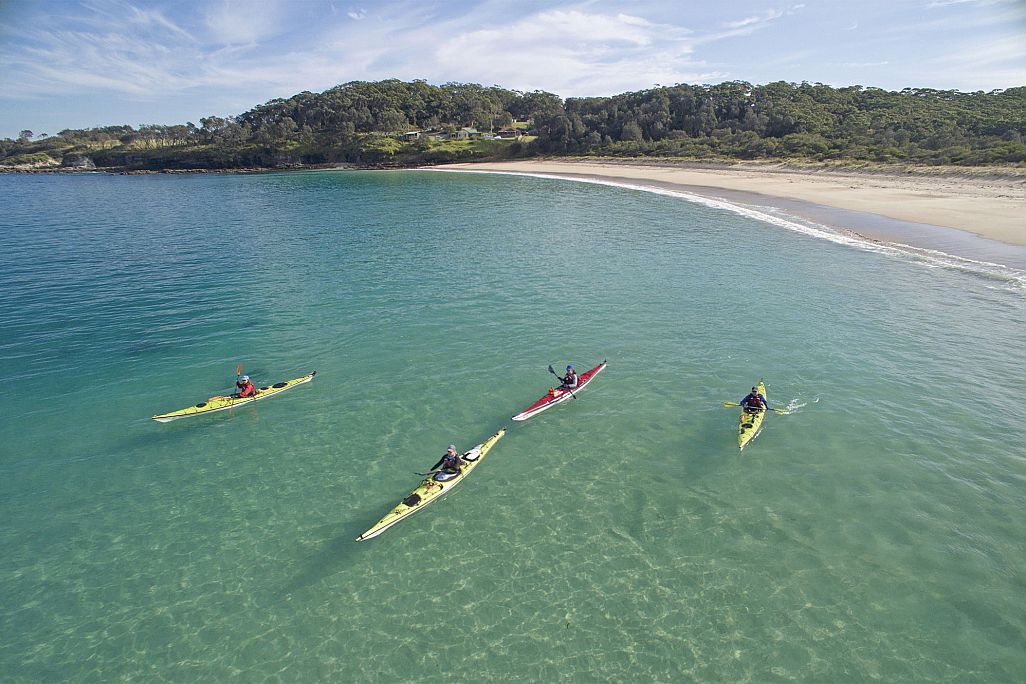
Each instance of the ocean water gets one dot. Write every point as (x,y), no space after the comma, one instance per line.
(877,532)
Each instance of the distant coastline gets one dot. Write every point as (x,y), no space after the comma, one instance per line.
(396,124)
(971,212)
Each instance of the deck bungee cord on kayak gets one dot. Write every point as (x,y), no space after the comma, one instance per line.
(749,424)
(431,488)
(452,468)
(557,395)
(248,392)
(754,409)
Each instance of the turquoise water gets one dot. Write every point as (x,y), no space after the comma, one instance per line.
(877,532)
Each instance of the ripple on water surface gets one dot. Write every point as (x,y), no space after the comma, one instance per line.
(874,533)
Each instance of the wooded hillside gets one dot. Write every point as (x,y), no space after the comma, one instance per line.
(398,123)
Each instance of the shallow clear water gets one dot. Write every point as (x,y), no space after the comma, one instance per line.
(877,532)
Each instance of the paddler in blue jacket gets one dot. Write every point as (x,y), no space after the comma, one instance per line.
(448,465)
(570,380)
(754,401)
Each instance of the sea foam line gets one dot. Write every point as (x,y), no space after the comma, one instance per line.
(1014,278)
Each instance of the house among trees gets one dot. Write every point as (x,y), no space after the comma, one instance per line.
(400,123)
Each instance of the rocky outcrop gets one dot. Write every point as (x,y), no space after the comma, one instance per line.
(78,162)
(29,162)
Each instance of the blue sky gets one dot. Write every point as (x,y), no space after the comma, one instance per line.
(76,64)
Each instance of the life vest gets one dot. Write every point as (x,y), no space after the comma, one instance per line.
(570,380)
(248,390)
(451,462)
(754,401)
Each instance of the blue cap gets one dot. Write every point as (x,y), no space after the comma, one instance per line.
(569,367)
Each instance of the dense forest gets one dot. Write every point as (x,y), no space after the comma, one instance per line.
(394,123)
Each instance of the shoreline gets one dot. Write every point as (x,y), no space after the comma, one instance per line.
(973,217)
(973,213)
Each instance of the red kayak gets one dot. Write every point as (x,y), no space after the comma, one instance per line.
(558,395)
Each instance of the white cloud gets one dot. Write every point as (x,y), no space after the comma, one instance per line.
(242,22)
(78,61)
(948,3)
(573,52)
(970,67)
(997,53)
(768,15)
(155,18)
(232,52)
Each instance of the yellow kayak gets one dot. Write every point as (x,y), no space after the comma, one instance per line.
(750,423)
(222,403)
(430,489)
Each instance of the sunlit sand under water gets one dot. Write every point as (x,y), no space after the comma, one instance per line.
(875,533)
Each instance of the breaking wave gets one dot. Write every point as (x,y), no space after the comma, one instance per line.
(1009,278)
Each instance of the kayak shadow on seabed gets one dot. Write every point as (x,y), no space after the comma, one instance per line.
(333,554)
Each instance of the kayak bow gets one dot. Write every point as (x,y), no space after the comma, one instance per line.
(430,489)
(558,396)
(749,425)
(221,403)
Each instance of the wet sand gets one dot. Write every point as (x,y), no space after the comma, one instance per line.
(972,214)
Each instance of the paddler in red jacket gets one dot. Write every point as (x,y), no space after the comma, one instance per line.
(246,388)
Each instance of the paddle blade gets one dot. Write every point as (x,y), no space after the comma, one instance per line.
(238,371)
(550,369)
(731,403)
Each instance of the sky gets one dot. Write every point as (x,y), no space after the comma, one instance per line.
(84,63)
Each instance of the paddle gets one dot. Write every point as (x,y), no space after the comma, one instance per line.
(734,403)
(238,374)
(561,379)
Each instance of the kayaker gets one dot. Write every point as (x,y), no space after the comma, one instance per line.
(448,465)
(570,380)
(754,401)
(246,388)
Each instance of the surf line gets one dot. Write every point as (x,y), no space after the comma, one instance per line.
(849,238)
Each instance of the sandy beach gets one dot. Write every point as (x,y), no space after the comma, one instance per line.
(992,206)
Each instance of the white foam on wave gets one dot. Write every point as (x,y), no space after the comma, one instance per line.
(1012,279)
(797,404)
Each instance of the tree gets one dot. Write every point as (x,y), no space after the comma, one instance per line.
(733,119)
(631,132)
(392,121)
